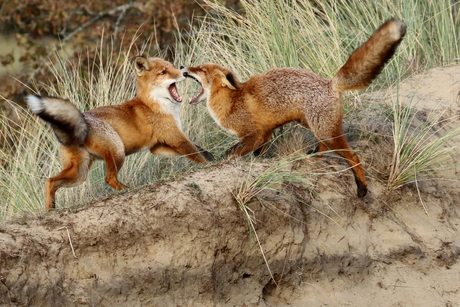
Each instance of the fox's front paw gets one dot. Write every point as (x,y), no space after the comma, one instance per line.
(206,154)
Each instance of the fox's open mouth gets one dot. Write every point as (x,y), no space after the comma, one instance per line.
(174,94)
(196,99)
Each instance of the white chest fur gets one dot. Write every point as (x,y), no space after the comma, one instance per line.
(167,105)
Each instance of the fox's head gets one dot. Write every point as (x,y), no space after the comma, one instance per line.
(211,78)
(157,79)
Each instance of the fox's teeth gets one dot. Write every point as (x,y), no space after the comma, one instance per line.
(174,94)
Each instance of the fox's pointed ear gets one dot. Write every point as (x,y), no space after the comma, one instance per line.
(141,65)
(227,80)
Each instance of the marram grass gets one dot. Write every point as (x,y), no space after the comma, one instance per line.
(421,148)
(315,35)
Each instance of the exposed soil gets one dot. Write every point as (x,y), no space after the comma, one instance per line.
(187,242)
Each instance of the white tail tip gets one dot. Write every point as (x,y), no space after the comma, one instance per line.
(35,104)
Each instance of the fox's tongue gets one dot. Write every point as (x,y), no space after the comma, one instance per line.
(173,91)
(197,97)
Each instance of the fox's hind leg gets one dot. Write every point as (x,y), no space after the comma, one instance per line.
(340,144)
(113,164)
(112,152)
(76,163)
(334,139)
(321,147)
(104,142)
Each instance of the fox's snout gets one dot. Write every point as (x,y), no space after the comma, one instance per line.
(184,73)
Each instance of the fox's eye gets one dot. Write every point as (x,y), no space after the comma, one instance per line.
(163,72)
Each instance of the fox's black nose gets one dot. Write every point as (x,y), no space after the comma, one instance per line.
(181,67)
(185,73)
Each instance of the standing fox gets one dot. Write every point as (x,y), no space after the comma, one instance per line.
(253,109)
(149,121)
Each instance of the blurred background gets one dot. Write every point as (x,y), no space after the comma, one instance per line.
(31,30)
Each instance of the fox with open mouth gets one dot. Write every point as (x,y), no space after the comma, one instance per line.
(150,121)
(251,110)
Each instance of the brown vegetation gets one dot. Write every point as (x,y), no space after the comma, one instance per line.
(39,27)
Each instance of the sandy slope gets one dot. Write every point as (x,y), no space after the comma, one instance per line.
(186,243)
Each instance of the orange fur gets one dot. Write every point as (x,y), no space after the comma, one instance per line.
(253,109)
(148,121)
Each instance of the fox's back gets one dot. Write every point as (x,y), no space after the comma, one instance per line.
(281,87)
(291,93)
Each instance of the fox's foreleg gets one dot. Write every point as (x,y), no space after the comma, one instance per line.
(205,153)
(179,145)
(256,142)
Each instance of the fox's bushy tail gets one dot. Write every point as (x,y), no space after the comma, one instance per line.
(66,120)
(366,62)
